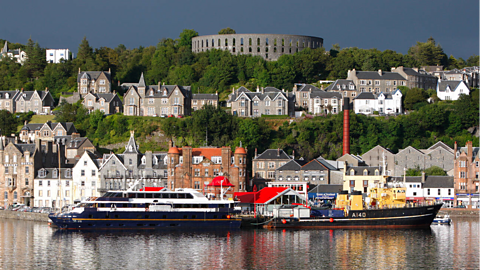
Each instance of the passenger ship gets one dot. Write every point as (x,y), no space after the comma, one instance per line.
(182,208)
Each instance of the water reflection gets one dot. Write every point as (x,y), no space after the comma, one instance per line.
(28,245)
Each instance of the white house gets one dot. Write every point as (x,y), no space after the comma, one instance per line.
(427,188)
(54,55)
(86,178)
(53,187)
(17,54)
(451,90)
(387,103)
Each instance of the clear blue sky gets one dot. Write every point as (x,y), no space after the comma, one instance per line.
(395,25)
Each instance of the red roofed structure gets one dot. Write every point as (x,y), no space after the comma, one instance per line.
(152,189)
(220,181)
(262,201)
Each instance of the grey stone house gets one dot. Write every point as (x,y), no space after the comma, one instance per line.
(200,100)
(7,100)
(346,88)
(416,78)
(39,102)
(121,171)
(380,156)
(376,81)
(94,81)
(265,164)
(302,93)
(322,102)
(109,103)
(267,101)
(157,100)
(439,154)
(315,172)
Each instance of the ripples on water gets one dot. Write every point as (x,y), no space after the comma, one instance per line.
(34,245)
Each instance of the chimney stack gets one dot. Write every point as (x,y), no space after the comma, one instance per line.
(423,177)
(346,126)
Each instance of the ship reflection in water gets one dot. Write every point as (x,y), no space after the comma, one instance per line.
(28,245)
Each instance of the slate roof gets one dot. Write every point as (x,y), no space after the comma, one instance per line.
(327,164)
(12,94)
(323,94)
(373,75)
(292,165)
(306,87)
(475,151)
(365,95)
(205,96)
(434,181)
(326,189)
(107,97)
(68,126)
(32,127)
(273,154)
(442,145)
(93,75)
(27,95)
(413,72)
(152,91)
(334,86)
(314,165)
(442,86)
(359,170)
(23,147)
(74,143)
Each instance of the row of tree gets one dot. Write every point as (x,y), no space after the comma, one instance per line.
(173,62)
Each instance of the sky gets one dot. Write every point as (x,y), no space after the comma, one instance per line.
(366,24)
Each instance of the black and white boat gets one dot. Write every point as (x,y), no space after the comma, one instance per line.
(182,208)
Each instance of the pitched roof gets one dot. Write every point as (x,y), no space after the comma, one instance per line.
(442,85)
(340,83)
(327,164)
(267,194)
(323,94)
(314,165)
(475,151)
(292,165)
(374,75)
(306,87)
(207,152)
(205,96)
(93,75)
(433,181)
(131,146)
(326,189)
(220,181)
(273,154)
(442,145)
(141,82)
(365,95)
(360,169)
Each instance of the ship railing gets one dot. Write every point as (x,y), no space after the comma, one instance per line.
(391,206)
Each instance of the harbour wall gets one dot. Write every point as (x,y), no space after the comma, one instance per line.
(460,212)
(24,215)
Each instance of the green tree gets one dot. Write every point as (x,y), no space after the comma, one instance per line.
(435,170)
(8,125)
(414,96)
(226,31)
(186,38)
(428,53)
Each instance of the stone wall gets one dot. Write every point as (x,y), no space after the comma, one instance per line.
(268,46)
(24,215)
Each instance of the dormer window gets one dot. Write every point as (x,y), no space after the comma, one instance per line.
(165,92)
(365,172)
(377,172)
(352,172)
(144,160)
(41,173)
(54,173)
(151,93)
(155,160)
(68,173)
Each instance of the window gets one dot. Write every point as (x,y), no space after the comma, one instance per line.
(206,172)
(352,183)
(428,191)
(365,172)
(260,165)
(93,172)
(271,165)
(27,170)
(352,172)
(438,192)
(40,183)
(270,174)
(462,175)
(197,185)
(102,82)
(463,164)
(197,172)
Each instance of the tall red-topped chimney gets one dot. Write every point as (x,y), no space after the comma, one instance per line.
(346,126)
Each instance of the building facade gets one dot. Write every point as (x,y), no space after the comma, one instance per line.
(53,187)
(361,177)
(17,54)
(200,100)
(109,103)
(157,100)
(39,102)
(86,177)
(384,103)
(467,176)
(451,90)
(322,102)
(56,55)
(265,164)
(99,82)
(268,46)
(46,131)
(416,78)
(315,172)
(267,101)
(196,167)
(380,156)
(376,81)
(346,88)
(439,154)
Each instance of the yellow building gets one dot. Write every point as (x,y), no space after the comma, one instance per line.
(361,177)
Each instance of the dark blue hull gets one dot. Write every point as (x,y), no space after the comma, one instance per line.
(145,220)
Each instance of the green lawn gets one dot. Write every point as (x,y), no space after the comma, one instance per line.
(40,119)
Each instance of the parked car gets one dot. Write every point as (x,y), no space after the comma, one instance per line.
(2,208)
(180,116)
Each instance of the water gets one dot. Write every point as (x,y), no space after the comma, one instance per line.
(34,245)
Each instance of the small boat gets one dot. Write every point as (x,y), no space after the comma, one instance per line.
(182,208)
(442,220)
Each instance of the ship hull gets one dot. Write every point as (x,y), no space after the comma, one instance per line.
(396,218)
(145,220)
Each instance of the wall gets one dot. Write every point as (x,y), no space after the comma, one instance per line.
(24,215)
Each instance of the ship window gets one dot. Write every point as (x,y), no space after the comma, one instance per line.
(149,195)
(140,195)
(157,195)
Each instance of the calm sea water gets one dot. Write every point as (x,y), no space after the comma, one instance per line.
(34,245)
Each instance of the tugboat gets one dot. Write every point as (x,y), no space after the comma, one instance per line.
(383,208)
(182,208)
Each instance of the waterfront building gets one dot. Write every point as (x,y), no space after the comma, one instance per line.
(380,156)
(451,90)
(53,187)
(108,103)
(359,178)
(121,171)
(428,188)
(98,82)
(265,164)
(197,167)
(157,100)
(56,55)
(315,172)
(265,101)
(86,177)
(467,175)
